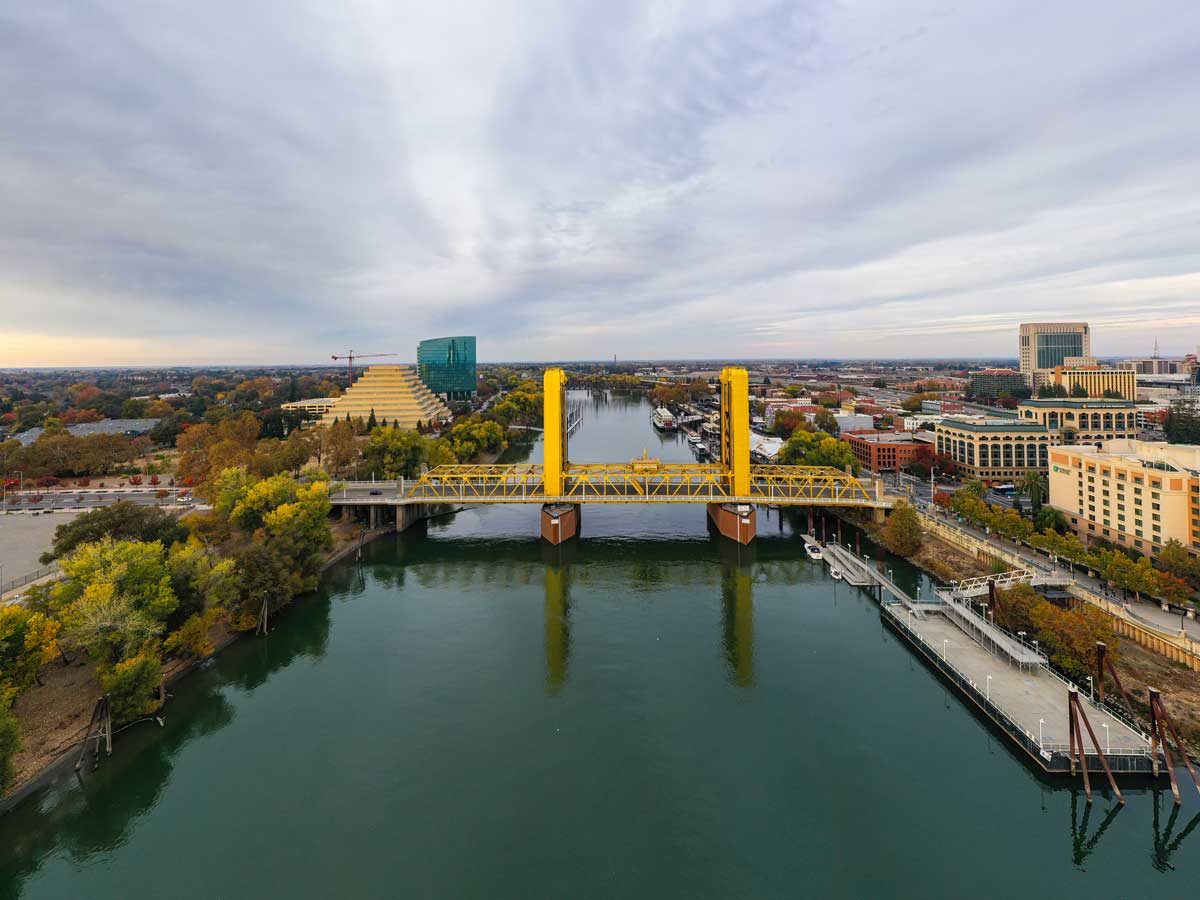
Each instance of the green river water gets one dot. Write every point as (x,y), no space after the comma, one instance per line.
(649,711)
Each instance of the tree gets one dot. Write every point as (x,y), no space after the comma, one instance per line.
(1049,518)
(787,421)
(815,448)
(132,687)
(395,453)
(825,421)
(1110,394)
(975,488)
(902,531)
(28,641)
(1182,424)
(879,383)
(1175,560)
(107,625)
(699,389)
(372,422)
(1078,390)
(1034,486)
(123,521)
(1052,390)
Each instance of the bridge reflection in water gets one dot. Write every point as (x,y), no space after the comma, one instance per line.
(737,617)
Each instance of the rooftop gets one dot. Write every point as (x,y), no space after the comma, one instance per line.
(1078,403)
(1149,454)
(991,423)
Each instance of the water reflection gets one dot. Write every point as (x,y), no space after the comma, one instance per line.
(737,605)
(558,626)
(1081,844)
(1166,842)
(87,816)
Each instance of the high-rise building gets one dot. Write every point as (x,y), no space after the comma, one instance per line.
(991,383)
(447,366)
(1046,345)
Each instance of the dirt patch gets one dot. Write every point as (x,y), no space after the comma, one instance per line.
(1140,668)
(54,715)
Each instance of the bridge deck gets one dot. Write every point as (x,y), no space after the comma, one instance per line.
(624,483)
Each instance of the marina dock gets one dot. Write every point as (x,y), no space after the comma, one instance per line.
(1007,679)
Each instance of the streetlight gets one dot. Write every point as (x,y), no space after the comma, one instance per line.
(1107,735)
(1021,635)
(945,644)
(1091,696)
(989,687)
(1036,648)
(1041,722)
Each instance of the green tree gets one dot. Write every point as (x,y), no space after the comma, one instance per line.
(1051,390)
(136,570)
(1078,390)
(394,453)
(107,625)
(123,521)
(1034,486)
(132,687)
(815,448)
(825,421)
(28,641)
(372,422)
(879,383)
(902,531)
(1182,424)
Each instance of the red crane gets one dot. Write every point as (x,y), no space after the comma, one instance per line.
(352,356)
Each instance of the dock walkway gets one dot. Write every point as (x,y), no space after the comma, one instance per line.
(1006,679)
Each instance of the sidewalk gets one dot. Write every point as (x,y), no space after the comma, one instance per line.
(1148,612)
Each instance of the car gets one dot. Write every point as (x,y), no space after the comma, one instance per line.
(375,492)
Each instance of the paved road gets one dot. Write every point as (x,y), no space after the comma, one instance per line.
(1146,610)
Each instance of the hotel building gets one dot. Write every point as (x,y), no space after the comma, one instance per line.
(1138,494)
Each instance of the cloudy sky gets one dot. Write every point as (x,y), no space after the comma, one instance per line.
(275,181)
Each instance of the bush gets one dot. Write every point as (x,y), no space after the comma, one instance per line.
(132,687)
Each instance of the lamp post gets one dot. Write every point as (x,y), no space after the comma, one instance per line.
(1041,722)
(945,644)
(1091,696)
(1107,736)
(1021,635)
(989,687)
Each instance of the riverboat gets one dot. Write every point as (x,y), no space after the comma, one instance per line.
(662,419)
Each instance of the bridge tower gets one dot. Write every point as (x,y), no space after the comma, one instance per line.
(560,521)
(738,522)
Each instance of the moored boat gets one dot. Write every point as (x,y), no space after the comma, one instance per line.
(662,419)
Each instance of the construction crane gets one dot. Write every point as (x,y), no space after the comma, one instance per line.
(352,356)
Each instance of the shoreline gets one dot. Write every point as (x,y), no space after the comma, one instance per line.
(53,771)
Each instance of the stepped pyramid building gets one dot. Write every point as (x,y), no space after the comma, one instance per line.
(395,393)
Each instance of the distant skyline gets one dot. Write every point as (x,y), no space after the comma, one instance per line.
(221,183)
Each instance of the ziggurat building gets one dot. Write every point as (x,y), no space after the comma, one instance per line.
(395,393)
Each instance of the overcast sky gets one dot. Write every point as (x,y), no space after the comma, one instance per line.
(276,181)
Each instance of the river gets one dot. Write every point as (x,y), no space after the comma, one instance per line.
(647,711)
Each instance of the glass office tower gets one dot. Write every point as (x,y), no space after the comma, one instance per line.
(447,366)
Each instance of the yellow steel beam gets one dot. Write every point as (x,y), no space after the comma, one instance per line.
(735,428)
(554,439)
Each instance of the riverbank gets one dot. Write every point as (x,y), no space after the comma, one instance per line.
(54,716)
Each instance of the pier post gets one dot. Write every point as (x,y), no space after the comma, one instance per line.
(560,522)
(737,522)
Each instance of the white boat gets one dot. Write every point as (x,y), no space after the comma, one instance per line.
(813,551)
(836,574)
(662,419)
(694,439)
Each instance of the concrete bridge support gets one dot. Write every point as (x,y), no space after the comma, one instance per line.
(735,521)
(560,521)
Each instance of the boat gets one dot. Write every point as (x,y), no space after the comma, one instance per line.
(694,439)
(662,419)
(836,574)
(813,551)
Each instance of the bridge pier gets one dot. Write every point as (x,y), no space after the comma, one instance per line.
(560,521)
(738,522)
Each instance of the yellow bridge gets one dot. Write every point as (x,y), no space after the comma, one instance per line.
(731,487)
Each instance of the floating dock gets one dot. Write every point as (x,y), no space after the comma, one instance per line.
(1007,679)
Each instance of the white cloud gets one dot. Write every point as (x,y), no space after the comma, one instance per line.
(574,181)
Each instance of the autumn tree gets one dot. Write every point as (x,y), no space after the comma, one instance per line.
(902,531)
